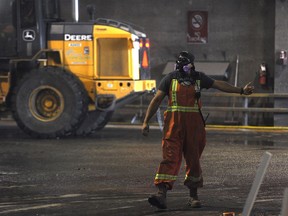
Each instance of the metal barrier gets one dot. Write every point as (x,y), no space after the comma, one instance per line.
(245,109)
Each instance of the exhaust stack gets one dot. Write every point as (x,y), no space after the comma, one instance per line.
(75,10)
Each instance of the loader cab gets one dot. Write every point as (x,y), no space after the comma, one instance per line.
(23,26)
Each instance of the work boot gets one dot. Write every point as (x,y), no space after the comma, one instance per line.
(194,201)
(159,199)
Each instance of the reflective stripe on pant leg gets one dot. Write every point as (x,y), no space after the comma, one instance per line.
(165,177)
(193,182)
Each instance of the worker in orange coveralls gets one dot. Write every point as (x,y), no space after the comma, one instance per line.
(184,127)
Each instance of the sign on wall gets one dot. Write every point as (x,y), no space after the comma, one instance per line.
(197,27)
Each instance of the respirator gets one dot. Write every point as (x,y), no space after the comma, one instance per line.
(186,68)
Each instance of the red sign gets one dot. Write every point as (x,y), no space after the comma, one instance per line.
(197,27)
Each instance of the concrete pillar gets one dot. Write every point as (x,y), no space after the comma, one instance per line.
(281,71)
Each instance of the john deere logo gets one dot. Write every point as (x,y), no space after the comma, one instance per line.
(29,35)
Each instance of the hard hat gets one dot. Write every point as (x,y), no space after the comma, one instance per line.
(185,58)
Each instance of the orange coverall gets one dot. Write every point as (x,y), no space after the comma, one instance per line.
(184,133)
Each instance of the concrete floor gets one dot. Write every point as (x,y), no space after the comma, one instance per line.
(111,173)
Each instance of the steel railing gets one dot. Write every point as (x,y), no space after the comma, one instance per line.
(245,109)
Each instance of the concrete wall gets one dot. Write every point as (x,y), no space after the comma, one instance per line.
(235,27)
(238,27)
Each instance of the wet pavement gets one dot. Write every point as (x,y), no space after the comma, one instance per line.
(112,171)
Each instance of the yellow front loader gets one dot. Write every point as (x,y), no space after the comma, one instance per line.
(63,78)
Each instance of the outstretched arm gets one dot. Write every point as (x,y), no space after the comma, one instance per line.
(152,108)
(226,87)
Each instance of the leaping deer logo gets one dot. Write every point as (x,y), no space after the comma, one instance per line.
(29,35)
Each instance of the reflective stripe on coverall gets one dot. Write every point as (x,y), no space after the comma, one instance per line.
(183,133)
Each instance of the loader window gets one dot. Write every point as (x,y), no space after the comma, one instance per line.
(7,29)
(50,9)
(113,57)
(27,13)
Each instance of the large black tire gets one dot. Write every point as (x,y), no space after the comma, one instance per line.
(94,121)
(49,102)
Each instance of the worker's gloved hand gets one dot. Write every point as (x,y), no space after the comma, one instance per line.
(145,129)
(248,89)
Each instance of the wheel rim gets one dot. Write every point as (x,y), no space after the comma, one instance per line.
(46,103)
